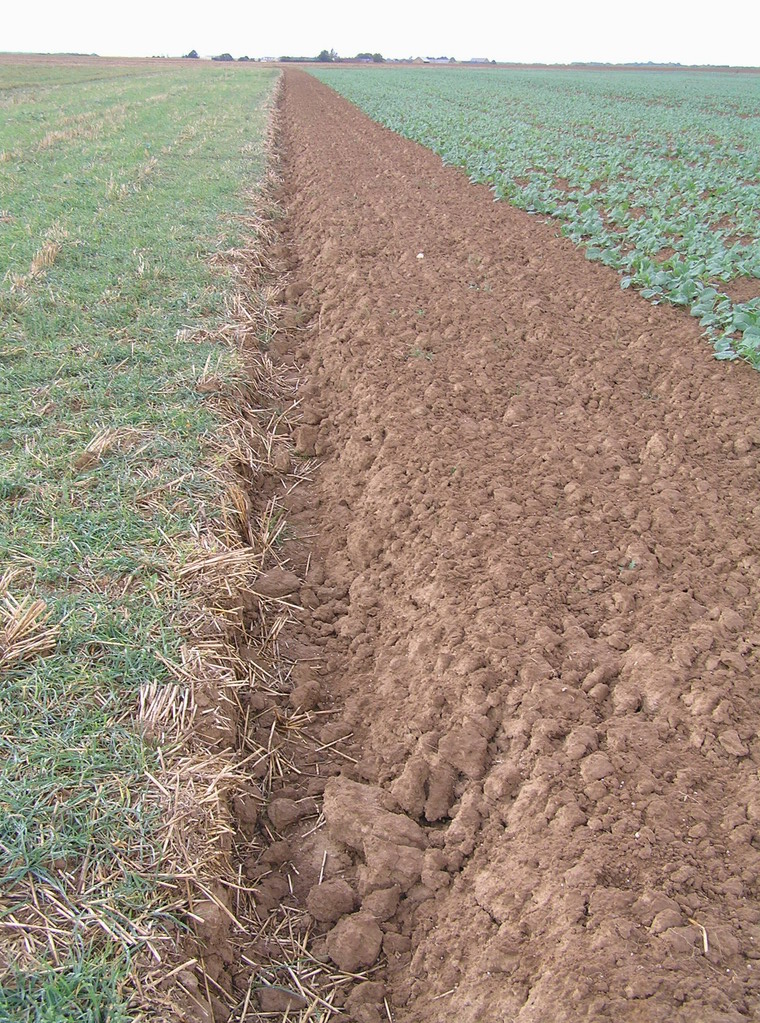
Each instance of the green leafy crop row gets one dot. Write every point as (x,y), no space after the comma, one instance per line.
(657,174)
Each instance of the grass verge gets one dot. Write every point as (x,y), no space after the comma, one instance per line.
(127,535)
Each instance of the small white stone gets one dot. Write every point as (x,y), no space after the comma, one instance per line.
(420,255)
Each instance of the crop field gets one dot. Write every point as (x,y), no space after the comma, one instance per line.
(656,175)
(119,187)
(379,577)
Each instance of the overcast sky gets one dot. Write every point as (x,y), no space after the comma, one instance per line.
(546,31)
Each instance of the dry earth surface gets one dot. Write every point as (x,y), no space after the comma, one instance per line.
(530,587)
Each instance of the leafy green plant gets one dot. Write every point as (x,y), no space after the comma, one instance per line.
(657,175)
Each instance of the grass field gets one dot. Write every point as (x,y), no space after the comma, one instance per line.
(656,174)
(117,187)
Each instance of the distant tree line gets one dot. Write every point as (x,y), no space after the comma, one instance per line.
(323,57)
(193,55)
(331,57)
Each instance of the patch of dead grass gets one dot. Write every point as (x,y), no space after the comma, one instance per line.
(25,630)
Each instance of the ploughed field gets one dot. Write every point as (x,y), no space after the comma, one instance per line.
(531,585)
(657,175)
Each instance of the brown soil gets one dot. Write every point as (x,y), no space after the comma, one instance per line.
(664,254)
(742,289)
(531,607)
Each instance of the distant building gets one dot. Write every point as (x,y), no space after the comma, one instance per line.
(440,60)
(478,60)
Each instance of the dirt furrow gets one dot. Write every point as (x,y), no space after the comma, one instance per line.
(532,603)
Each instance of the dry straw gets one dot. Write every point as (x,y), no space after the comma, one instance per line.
(213,741)
(25,632)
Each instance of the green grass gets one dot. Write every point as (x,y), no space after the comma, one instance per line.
(657,174)
(132,180)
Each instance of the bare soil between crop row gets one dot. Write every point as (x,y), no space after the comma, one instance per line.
(530,631)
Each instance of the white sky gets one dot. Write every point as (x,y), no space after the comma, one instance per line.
(546,31)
